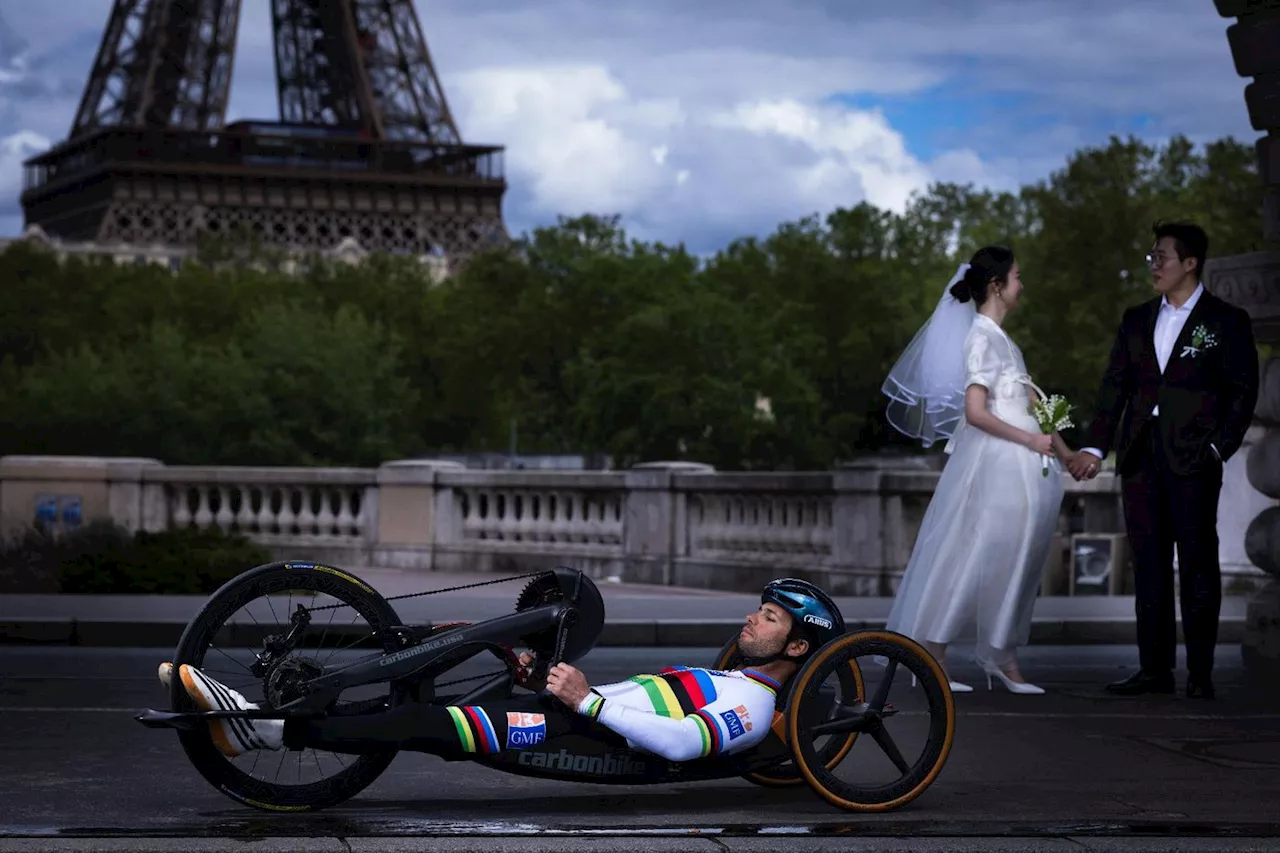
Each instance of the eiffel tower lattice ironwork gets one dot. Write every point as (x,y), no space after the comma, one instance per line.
(365,146)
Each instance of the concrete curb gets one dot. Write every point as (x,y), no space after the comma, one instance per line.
(640,839)
(638,633)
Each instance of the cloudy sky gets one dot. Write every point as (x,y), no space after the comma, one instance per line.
(704,120)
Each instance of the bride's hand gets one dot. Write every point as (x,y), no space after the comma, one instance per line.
(1040,443)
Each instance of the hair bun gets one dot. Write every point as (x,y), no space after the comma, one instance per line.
(970,284)
(989,264)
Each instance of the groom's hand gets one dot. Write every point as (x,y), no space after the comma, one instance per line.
(1083,465)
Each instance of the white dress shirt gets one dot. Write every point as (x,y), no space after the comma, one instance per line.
(1169,323)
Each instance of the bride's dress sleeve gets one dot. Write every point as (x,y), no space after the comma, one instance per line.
(982,362)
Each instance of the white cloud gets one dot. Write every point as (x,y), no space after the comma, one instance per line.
(585,142)
(14,56)
(760,140)
(964,166)
(14,149)
(16,71)
(842,154)
(588,143)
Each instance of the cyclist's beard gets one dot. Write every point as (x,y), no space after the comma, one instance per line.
(756,651)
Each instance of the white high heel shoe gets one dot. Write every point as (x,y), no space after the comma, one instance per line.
(1014,686)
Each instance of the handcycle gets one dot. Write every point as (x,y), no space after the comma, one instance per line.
(558,615)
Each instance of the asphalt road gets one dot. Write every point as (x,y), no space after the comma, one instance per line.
(1071,767)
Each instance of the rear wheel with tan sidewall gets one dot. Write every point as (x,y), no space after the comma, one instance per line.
(873,716)
(787,775)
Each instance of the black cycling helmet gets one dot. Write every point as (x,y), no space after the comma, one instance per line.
(816,616)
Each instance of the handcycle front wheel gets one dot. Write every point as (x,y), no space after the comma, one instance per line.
(786,774)
(271,581)
(869,714)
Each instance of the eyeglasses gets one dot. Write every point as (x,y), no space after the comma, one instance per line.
(1155,260)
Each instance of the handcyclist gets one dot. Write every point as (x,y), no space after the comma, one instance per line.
(680,713)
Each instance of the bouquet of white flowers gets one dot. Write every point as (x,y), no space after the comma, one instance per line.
(1053,414)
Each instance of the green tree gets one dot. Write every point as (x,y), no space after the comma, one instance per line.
(160,396)
(509,328)
(693,374)
(582,338)
(333,386)
(292,387)
(1083,259)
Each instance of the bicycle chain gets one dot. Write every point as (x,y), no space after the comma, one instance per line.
(561,639)
(470,678)
(433,591)
(560,644)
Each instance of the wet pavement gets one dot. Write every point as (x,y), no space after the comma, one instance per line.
(1074,763)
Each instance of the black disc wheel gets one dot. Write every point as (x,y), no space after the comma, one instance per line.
(832,750)
(907,697)
(264,634)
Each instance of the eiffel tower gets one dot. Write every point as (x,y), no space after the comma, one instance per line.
(365,147)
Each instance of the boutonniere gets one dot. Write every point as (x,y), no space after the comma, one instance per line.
(1200,340)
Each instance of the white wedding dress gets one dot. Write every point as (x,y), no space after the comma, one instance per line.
(976,567)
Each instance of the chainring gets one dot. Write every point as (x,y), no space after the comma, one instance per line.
(542,590)
(539,592)
(556,586)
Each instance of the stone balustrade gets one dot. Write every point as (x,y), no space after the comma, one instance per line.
(675,523)
(284,507)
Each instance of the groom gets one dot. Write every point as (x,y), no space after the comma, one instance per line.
(1181,387)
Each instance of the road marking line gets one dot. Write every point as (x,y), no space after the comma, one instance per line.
(35,709)
(1136,714)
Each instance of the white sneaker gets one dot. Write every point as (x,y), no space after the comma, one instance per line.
(232,736)
(166,674)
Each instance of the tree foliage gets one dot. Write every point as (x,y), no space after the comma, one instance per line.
(767,355)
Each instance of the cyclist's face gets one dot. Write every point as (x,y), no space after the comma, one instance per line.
(765,632)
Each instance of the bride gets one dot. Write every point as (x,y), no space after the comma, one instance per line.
(976,566)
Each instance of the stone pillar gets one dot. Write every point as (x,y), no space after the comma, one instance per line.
(408,521)
(1252,281)
(1255,48)
(654,527)
(1239,504)
(1261,643)
(64,492)
(865,524)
